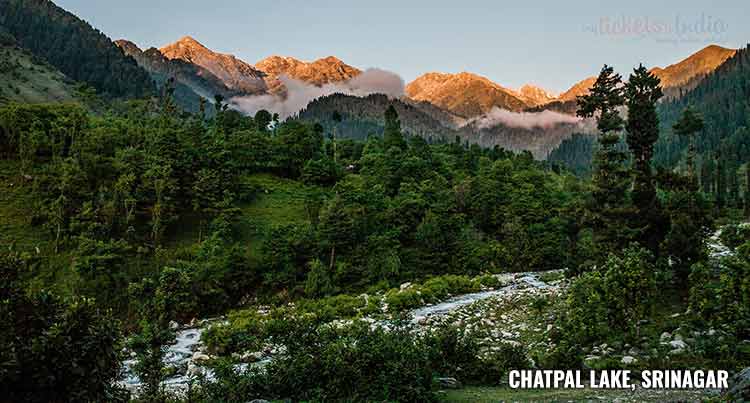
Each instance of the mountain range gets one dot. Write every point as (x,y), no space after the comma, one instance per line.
(466,95)
(447,104)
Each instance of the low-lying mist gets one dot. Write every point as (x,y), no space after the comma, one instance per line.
(524,120)
(300,93)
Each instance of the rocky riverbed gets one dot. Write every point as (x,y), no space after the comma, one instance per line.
(515,313)
(185,358)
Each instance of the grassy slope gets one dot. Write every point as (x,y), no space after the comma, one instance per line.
(278,202)
(25,79)
(16,209)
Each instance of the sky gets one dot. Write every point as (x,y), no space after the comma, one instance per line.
(552,44)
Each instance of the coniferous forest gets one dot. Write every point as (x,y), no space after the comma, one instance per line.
(152,254)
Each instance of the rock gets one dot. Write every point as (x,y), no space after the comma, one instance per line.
(628,360)
(404,286)
(193,370)
(448,383)
(200,357)
(665,336)
(678,344)
(739,387)
(174,325)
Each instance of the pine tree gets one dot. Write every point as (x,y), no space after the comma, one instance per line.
(610,209)
(721,186)
(392,136)
(688,126)
(642,92)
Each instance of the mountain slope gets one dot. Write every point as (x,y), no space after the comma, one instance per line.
(26,79)
(464,94)
(723,100)
(686,74)
(75,48)
(233,72)
(192,82)
(319,72)
(364,115)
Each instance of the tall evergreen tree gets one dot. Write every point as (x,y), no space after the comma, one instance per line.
(642,92)
(688,126)
(610,209)
(392,135)
(721,185)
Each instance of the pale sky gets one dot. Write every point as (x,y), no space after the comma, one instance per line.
(549,43)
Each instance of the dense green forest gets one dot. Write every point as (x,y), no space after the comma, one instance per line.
(74,47)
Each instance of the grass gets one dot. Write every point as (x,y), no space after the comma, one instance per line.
(277,201)
(16,210)
(24,79)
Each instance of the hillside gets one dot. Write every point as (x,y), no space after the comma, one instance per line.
(722,98)
(235,73)
(464,94)
(26,79)
(364,116)
(681,77)
(192,82)
(74,47)
(319,72)
(538,141)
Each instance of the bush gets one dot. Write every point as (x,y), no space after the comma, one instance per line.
(615,297)
(721,295)
(54,350)
(325,363)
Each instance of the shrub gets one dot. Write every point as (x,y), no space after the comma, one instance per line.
(615,297)
(325,363)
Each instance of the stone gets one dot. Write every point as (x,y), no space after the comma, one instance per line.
(628,360)
(405,286)
(678,344)
(665,336)
(739,387)
(193,370)
(174,325)
(448,383)
(200,357)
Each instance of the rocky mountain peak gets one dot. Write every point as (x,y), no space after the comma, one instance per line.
(319,72)
(235,73)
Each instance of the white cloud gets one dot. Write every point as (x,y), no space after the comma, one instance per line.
(300,93)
